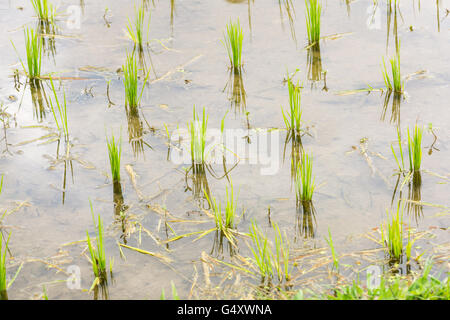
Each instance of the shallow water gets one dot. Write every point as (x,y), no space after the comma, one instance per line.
(350,199)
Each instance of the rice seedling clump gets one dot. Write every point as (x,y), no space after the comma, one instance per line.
(233,38)
(33,46)
(313,16)
(115,153)
(292,119)
(304,180)
(197,129)
(130,81)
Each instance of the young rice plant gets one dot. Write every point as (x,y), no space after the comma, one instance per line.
(233,38)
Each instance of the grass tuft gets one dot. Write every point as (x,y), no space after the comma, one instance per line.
(233,38)
(313,15)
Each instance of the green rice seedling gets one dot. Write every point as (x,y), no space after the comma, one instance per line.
(262,252)
(233,38)
(136,28)
(3,283)
(98,257)
(313,15)
(415,149)
(333,250)
(393,82)
(292,119)
(174,293)
(62,123)
(44,293)
(393,234)
(33,46)
(44,10)
(197,130)
(304,180)
(130,81)
(115,153)
(281,254)
(270,262)
(225,222)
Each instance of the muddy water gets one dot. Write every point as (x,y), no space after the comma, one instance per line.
(189,67)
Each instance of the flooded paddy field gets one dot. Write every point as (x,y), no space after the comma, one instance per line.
(160,229)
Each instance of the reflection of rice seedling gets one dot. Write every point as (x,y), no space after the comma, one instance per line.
(233,42)
(33,46)
(130,81)
(292,119)
(136,29)
(44,10)
(395,109)
(314,63)
(135,131)
(313,15)
(38,99)
(415,194)
(197,130)
(200,185)
(290,12)
(395,82)
(62,124)
(98,257)
(236,91)
(115,153)
(304,181)
(306,219)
